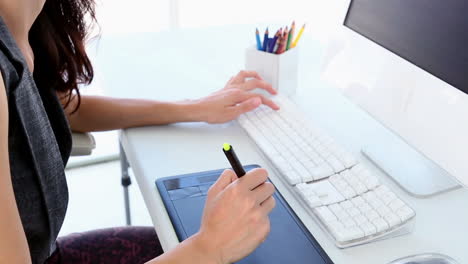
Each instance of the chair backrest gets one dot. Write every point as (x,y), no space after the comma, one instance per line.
(83,144)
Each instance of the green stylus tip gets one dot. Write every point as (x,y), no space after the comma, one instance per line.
(226,146)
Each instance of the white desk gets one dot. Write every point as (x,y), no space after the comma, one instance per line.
(171,66)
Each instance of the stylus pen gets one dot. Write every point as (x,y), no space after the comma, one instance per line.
(232,157)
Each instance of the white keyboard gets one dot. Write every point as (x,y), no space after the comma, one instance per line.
(345,198)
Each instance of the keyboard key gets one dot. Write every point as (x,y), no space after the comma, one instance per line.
(348,222)
(388,197)
(382,190)
(368,228)
(405,213)
(303,172)
(359,219)
(364,208)
(376,204)
(353,211)
(392,219)
(357,168)
(356,232)
(308,195)
(314,201)
(358,201)
(371,215)
(346,205)
(347,234)
(325,214)
(343,216)
(366,177)
(281,164)
(396,204)
(359,188)
(354,182)
(303,158)
(383,210)
(335,163)
(369,196)
(335,208)
(293,177)
(380,224)
(321,172)
(348,192)
(339,183)
(371,183)
(327,193)
(346,158)
(309,165)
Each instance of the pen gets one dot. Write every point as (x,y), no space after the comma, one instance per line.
(259,42)
(290,36)
(273,42)
(298,36)
(280,33)
(232,157)
(265,40)
(282,44)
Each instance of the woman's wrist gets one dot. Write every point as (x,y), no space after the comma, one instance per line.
(209,253)
(174,112)
(192,111)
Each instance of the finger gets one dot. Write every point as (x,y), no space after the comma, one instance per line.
(226,178)
(254,178)
(260,84)
(253,84)
(246,106)
(242,75)
(263,192)
(240,98)
(230,80)
(269,103)
(266,229)
(268,205)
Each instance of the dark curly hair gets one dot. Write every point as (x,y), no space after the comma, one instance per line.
(58,38)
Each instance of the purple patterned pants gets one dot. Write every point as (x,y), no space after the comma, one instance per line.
(121,245)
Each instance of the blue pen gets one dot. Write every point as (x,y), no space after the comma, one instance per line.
(265,40)
(259,42)
(270,43)
(273,42)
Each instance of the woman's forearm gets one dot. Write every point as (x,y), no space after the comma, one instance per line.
(98,113)
(193,250)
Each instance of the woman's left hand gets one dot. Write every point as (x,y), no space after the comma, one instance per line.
(235,99)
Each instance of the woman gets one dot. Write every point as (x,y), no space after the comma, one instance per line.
(42,61)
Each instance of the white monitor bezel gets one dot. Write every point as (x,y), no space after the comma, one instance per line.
(414,94)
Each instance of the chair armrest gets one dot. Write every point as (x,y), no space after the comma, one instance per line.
(83,144)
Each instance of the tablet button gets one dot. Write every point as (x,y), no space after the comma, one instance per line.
(184,193)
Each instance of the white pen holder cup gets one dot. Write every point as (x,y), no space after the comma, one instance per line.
(280,70)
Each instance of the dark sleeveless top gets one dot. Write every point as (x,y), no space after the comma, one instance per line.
(39,142)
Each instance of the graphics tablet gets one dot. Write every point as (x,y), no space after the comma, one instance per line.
(288,242)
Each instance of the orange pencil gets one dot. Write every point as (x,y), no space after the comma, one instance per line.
(283,42)
(280,44)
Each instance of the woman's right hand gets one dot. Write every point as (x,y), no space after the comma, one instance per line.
(235,219)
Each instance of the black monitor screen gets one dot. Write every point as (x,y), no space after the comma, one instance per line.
(432,34)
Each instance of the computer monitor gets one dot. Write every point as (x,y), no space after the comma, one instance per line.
(406,63)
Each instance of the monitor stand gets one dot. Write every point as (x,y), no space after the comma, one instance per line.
(416,174)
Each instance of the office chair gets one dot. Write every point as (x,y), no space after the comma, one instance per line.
(83,144)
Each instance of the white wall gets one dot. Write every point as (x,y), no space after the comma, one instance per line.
(120,17)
